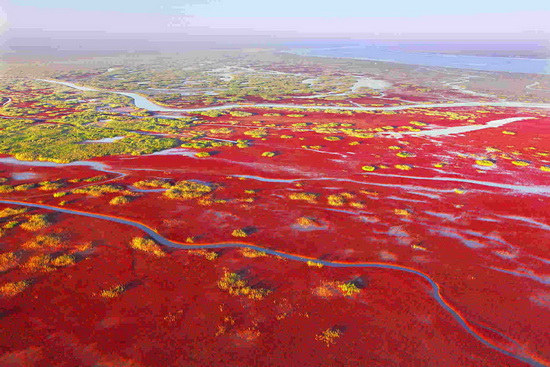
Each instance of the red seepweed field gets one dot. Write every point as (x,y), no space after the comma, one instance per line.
(275,236)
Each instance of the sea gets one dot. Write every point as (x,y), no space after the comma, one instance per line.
(392,54)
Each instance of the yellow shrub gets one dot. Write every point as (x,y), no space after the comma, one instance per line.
(520,163)
(24,187)
(405,154)
(95,179)
(403,167)
(11,224)
(314,264)
(8,260)
(202,154)
(98,190)
(235,285)
(63,260)
(240,113)
(329,336)
(336,200)
(243,144)
(43,241)
(305,196)
(153,183)
(187,190)
(239,233)
(348,289)
(84,246)
(209,255)
(12,289)
(485,162)
(6,189)
(362,135)
(403,212)
(258,133)
(50,186)
(306,222)
(8,212)
(222,130)
(251,253)
(36,222)
(112,292)
(120,200)
(314,147)
(147,245)
(39,263)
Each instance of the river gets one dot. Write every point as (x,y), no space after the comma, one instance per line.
(142,102)
(436,291)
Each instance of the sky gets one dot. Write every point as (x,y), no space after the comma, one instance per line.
(280,17)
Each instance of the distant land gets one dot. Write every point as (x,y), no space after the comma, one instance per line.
(28,42)
(518,58)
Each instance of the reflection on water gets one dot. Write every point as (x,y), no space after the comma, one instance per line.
(23,175)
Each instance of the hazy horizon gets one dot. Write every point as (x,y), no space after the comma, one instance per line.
(34,27)
(346,18)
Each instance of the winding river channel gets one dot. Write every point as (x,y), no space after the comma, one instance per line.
(142,102)
(435,293)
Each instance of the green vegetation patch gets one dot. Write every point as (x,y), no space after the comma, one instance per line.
(63,143)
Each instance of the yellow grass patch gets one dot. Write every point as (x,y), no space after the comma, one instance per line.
(520,163)
(329,336)
(112,292)
(239,233)
(235,285)
(251,253)
(8,212)
(147,245)
(36,222)
(8,260)
(485,162)
(403,167)
(305,196)
(14,288)
(43,241)
(39,263)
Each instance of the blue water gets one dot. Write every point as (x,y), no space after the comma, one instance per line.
(380,53)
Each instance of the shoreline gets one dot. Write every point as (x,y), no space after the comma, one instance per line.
(317,52)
